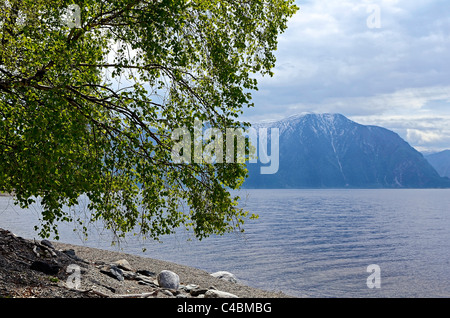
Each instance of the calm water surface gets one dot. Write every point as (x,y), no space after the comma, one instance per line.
(310,243)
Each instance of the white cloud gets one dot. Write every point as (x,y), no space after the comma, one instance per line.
(423,137)
(330,61)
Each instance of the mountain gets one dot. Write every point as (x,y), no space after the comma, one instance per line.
(331,151)
(441,162)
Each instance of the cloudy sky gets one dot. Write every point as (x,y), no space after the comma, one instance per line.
(378,62)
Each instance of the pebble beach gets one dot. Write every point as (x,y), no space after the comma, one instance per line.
(29,268)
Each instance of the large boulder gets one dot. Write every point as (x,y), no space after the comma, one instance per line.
(168,279)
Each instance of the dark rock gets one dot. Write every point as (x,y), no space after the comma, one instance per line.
(198,291)
(113,271)
(129,275)
(71,254)
(146,273)
(116,272)
(46,268)
(147,283)
(145,280)
(174,291)
(47,243)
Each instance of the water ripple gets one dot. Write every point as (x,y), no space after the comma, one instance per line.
(315,243)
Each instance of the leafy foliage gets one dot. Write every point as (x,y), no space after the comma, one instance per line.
(89,110)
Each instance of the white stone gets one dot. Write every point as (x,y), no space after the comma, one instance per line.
(212,293)
(225,276)
(190,287)
(123,264)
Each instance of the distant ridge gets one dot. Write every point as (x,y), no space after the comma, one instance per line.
(441,162)
(331,151)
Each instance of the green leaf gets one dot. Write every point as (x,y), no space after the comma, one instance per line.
(89,112)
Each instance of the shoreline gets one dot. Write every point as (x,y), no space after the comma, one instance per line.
(187,274)
(45,269)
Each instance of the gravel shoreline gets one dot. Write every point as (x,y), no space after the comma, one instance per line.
(188,275)
(43,269)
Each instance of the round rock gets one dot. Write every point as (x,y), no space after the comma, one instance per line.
(168,279)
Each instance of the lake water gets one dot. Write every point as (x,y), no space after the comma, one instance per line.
(310,243)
